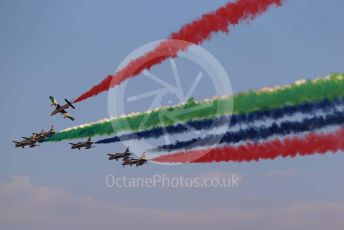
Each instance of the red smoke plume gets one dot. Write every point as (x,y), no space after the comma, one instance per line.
(309,144)
(195,32)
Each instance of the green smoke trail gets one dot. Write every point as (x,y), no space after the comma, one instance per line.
(330,87)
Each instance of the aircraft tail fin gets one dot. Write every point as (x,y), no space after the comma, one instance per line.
(53,101)
(70,103)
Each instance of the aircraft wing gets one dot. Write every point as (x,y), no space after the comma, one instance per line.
(53,100)
(67,115)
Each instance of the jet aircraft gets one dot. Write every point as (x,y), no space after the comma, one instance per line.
(87,144)
(61,108)
(115,156)
(135,161)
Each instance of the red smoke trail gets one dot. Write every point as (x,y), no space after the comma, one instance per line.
(309,144)
(195,32)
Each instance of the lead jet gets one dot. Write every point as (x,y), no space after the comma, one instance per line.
(115,156)
(31,142)
(133,161)
(61,108)
(87,144)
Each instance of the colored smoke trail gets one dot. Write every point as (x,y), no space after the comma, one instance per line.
(258,133)
(309,144)
(205,124)
(195,32)
(330,87)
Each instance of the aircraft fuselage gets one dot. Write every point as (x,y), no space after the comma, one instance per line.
(60,109)
(118,156)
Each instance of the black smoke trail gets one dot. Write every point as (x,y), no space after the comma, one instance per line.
(259,133)
(325,105)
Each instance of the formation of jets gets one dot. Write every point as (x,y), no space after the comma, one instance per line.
(41,136)
(126,159)
(34,138)
(26,142)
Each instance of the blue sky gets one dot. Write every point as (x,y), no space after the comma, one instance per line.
(62,48)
